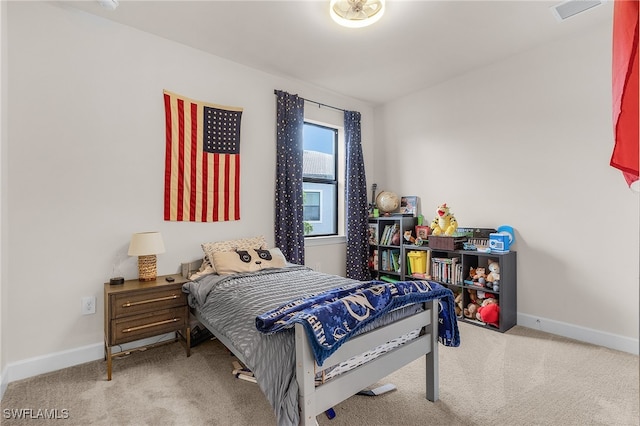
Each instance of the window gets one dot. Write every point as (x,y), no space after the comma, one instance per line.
(319,180)
(312,206)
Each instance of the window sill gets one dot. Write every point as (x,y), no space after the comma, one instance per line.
(325,241)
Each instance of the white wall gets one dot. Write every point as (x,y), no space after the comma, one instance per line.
(3,192)
(527,142)
(86,164)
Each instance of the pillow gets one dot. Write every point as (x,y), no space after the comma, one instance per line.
(232,262)
(230,246)
(205,269)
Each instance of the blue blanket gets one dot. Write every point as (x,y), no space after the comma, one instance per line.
(330,318)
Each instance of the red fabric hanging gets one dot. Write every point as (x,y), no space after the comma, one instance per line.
(625,155)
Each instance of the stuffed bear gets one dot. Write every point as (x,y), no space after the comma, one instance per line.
(472,307)
(493,278)
(489,312)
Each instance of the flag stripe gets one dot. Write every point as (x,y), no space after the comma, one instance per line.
(180,194)
(236,191)
(200,185)
(193,164)
(167,156)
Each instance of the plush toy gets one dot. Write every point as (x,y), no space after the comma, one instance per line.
(472,272)
(408,237)
(459,309)
(472,307)
(489,312)
(480,277)
(411,239)
(445,222)
(493,278)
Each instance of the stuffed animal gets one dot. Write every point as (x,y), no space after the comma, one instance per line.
(458,299)
(411,239)
(489,312)
(480,277)
(472,307)
(445,222)
(493,278)
(408,237)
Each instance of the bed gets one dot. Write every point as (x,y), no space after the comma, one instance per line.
(285,362)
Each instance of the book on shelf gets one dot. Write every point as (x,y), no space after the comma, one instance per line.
(447,270)
(390,260)
(384,259)
(395,231)
(395,260)
(389,232)
(373,234)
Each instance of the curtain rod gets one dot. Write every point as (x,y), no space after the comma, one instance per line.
(320,104)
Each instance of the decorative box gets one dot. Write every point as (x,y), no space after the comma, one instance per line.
(442,242)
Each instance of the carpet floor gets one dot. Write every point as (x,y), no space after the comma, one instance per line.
(522,377)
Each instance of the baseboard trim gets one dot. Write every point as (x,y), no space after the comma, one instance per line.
(56,361)
(583,334)
(3,382)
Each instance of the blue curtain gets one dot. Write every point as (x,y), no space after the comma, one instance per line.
(289,230)
(356,197)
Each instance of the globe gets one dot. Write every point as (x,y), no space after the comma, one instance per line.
(387,201)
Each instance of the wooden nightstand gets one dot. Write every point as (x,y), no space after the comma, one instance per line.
(137,310)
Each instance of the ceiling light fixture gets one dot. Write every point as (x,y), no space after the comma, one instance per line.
(356,13)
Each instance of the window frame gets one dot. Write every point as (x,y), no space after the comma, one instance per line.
(335,182)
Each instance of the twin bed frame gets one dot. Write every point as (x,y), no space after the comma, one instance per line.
(316,399)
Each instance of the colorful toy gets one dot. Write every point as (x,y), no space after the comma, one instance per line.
(445,222)
(411,239)
(493,278)
(480,277)
(489,312)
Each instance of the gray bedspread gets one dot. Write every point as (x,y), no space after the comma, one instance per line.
(229,305)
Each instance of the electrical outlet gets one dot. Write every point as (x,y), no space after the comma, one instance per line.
(88,305)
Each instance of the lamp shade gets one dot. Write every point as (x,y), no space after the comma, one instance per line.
(146,243)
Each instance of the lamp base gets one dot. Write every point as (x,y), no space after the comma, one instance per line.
(147,268)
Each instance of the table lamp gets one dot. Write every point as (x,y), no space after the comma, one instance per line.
(146,245)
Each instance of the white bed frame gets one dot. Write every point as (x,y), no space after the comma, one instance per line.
(316,399)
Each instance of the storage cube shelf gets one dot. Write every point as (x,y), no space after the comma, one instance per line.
(386,257)
(451,269)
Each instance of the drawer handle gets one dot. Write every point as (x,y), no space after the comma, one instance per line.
(142,302)
(153,324)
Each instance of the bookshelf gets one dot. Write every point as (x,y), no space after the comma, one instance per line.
(451,269)
(386,257)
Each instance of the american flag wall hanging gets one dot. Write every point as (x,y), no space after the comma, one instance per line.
(202,160)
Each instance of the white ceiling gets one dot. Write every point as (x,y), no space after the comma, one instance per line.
(416,44)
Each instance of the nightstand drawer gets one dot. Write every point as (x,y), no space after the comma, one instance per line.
(150,324)
(138,302)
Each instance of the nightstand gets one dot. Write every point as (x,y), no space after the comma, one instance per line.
(138,310)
